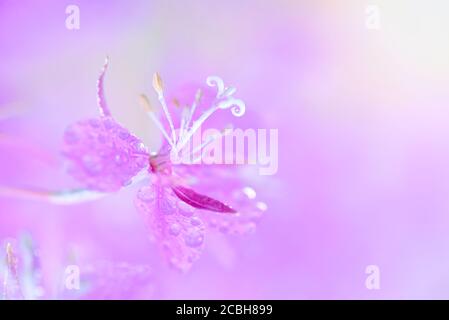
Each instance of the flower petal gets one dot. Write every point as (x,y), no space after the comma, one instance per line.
(174,225)
(102,154)
(229,184)
(200,201)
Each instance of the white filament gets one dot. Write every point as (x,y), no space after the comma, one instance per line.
(160,127)
(214,81)
(167,115)
(224,100)
(192,110)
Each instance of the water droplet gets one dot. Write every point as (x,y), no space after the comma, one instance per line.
(262,206)
(250,192)
(146,194)
(213,223)
(195,221)
(140,147)
(141,207)
(121,158)
(109,123)
(224,227)
(194,238)
(166,208)
(185,209)
(124,135)
(174,229)
(92,164)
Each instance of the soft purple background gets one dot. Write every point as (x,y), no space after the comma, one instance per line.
(363,126)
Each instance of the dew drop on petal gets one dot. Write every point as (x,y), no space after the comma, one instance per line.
(213,223)
(195,221)
(224,227)
(146,194)
(166,208)
(140,147)
(141,207)
(109,123)
(124,135)
(262,206)
(194,238)
(92,164)
(121,158)
(185,209)
(250,192)
(174,229)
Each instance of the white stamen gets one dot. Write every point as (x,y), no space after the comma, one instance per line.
(211,139)
(238,106)
(229,91)
(196,125)
(184,120)
(167,115)
(150,112)
(214,81)
(224,100)
(161,128)
(158,87)
(194,105)
(208,141)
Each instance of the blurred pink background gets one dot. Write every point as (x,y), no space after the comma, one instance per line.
(362,115)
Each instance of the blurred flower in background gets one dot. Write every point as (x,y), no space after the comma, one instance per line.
(22,276)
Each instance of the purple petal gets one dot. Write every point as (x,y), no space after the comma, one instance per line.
(102,154)
(173,225)
(249,212)
(200,201)
(230,184)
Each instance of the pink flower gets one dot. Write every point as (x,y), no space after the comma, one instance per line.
(179,202)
